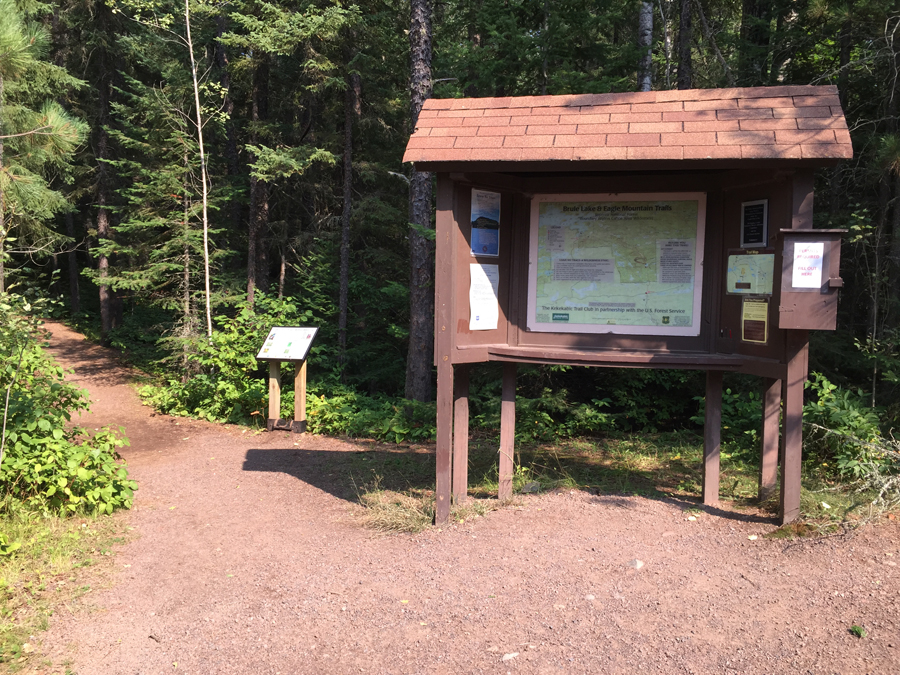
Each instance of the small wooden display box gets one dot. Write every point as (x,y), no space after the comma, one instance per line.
(287,344)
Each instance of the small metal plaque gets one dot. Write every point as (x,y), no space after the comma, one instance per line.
(755,224)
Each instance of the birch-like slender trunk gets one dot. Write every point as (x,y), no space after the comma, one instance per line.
(103,227)
(203,182)
(667,44)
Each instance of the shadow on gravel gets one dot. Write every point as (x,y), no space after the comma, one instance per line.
(346,475)
(378,466)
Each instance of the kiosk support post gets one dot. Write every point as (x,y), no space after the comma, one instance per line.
(712,437)
(768,469)
(443,442)
(299,397)
(460,433)
(798,353)
(274,393)
(507,430)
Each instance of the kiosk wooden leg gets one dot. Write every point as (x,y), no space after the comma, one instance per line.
(798,346)
(444,442)
(299,425)
(460,433)
(712,437)
(507,430)
(768,467)
(274,395)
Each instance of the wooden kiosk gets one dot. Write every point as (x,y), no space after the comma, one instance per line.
(668,229)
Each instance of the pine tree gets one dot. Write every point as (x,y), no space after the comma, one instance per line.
(36,135)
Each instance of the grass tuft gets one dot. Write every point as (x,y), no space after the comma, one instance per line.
(53,565)
(390,511)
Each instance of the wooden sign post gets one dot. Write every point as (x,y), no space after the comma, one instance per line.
(287,344)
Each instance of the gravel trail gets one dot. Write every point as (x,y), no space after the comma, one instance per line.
(248,558)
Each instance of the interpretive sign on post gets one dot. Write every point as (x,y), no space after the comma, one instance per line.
(291,344)
(287,343)
(617,263)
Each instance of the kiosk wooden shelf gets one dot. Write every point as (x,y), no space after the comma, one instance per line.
(668,229)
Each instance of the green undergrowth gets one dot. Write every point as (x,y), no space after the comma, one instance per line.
(55,563)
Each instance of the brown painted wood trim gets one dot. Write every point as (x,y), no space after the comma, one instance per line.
(768,469)
(443,442)
(460,433)
(471,167)
(712,437)
(802,201)
(615,357)
(798,351)
(445,237)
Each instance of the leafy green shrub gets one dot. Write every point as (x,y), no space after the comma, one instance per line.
(345,411)
(741,417)
(226,382)
(548,417)
(842,428)
(44,463)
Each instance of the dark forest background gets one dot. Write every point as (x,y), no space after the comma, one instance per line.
(184,175)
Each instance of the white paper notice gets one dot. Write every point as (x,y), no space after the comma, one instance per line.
(808,265)
(483,306)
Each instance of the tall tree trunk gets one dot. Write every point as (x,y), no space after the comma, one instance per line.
(545,49)
(203,178)
(844,41)
(894,255)
(257,253)
(186,319)
(351,110)
(231,151)
(474,37)
(103,194)
(667,43)
(645,47)
(754,49)
(72,257)
(421,289)
(710,38)
(685,40)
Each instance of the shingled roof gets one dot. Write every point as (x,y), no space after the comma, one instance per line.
(705,125)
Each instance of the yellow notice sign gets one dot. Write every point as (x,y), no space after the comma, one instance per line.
(755,320)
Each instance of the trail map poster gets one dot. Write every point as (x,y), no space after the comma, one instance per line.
(616,263)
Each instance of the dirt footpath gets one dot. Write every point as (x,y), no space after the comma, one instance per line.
(249,559)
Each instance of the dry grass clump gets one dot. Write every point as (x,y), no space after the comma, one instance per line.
(389,511)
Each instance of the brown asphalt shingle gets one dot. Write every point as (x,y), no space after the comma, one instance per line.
(790,122)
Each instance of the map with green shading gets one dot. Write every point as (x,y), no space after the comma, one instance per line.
(751,274)
(616,263)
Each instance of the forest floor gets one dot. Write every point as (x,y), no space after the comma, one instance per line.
(247,556)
